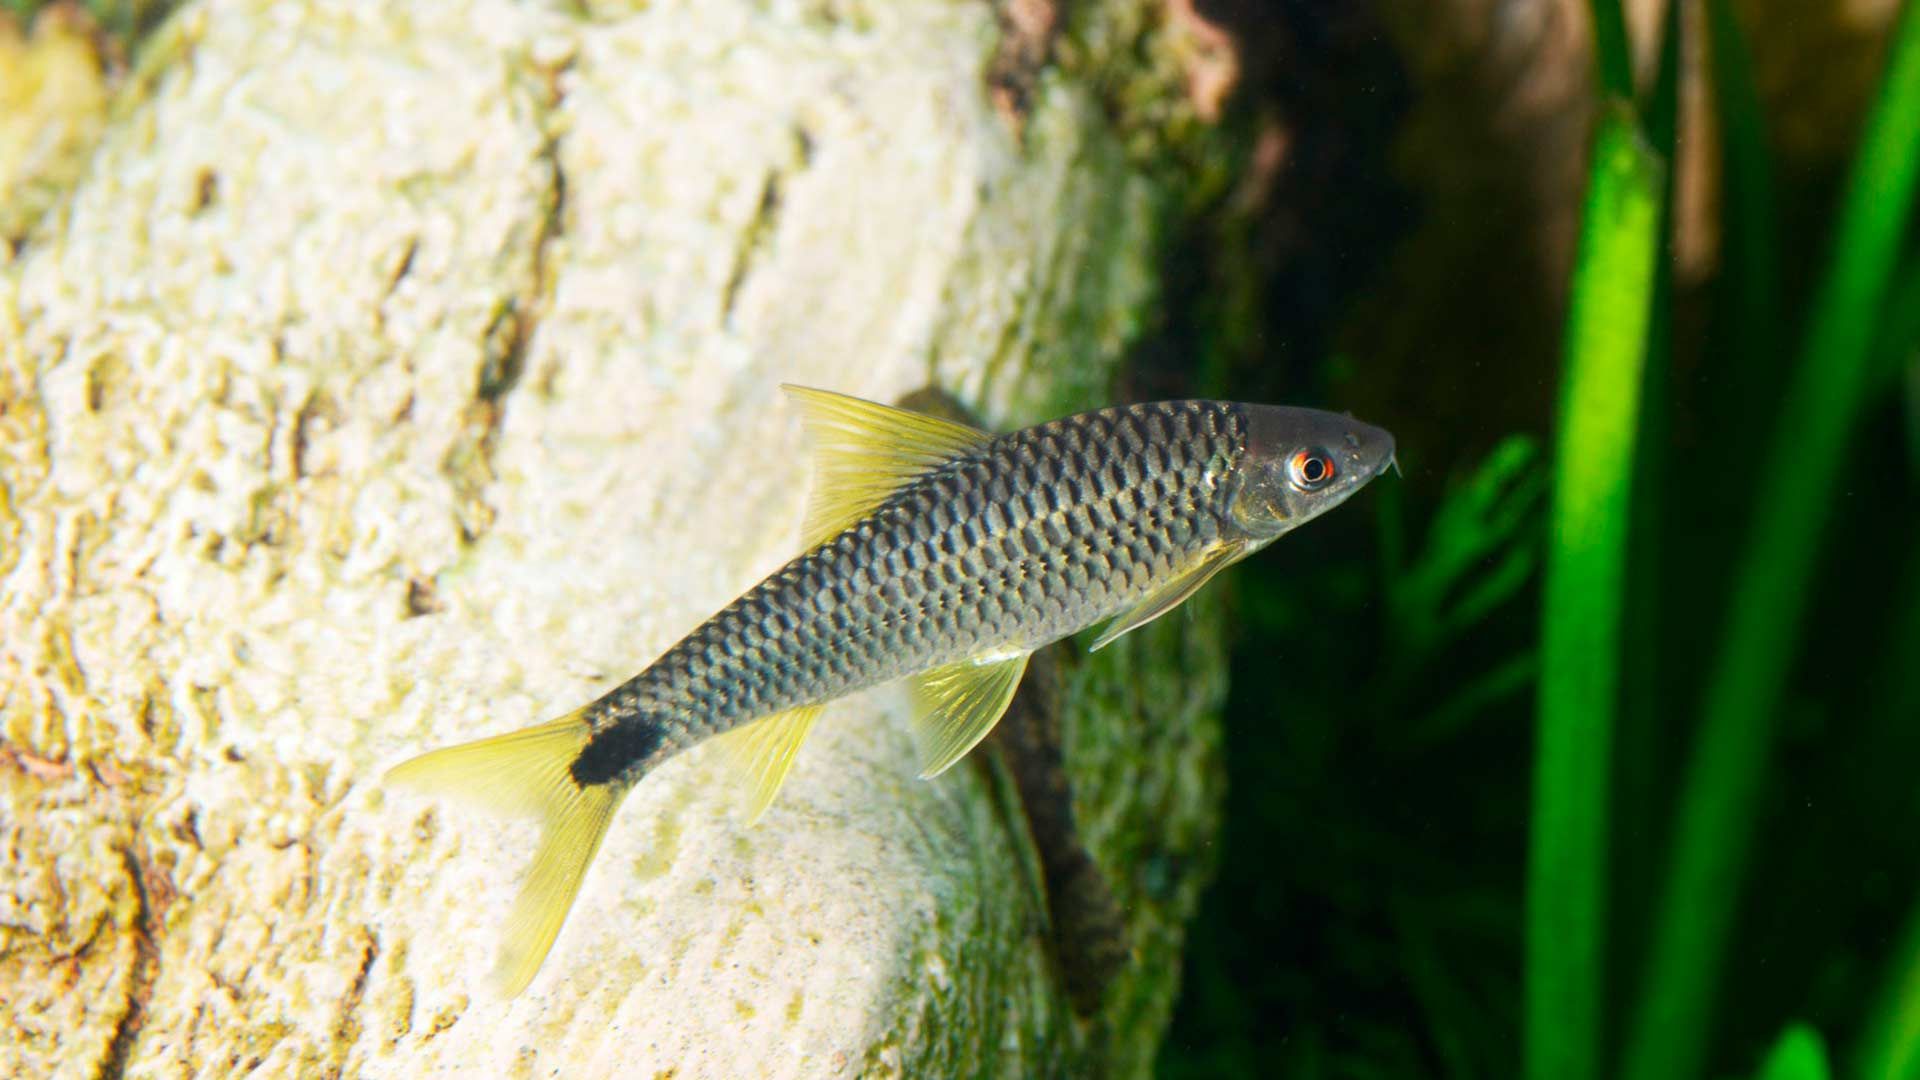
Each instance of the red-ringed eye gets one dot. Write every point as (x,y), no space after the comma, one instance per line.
(1309,470)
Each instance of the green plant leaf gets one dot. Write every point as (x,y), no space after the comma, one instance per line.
(1606,342)
(1800,471)
(1800,1054)
(1475,555)
(1478,553)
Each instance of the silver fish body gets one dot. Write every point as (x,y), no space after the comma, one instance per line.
(1035,536)
(940,554)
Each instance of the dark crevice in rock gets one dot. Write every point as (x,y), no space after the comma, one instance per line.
(423,598)
(347,1030)
(468,464)
(316,408)
(753,244)
(759,232)
(1089,932)
(146,963)
(401,268)
(553,223)
(503,352)
(206,191)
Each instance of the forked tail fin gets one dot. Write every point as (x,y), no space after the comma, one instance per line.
(528,773)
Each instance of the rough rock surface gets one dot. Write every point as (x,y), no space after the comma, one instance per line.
(396,374)
(52,104)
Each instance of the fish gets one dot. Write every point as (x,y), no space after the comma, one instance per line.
(934,552)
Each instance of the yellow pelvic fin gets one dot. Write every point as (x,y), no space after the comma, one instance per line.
(864,452)
(1170,593)
(959,704)
(764,750)
(528,773)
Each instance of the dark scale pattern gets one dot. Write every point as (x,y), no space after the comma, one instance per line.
(1033,537)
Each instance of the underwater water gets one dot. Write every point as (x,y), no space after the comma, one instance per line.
(1596,751)
(1586,745)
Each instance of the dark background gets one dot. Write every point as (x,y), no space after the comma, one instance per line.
(1409,261)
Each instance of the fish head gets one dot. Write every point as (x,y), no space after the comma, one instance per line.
(1301,463)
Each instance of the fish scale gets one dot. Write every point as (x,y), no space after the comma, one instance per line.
(1036,536)
(939,553)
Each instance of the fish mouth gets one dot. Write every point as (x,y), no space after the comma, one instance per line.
(1377,440)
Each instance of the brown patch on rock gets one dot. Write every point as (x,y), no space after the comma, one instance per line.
(1027,30)
(40,768)
(1209,55)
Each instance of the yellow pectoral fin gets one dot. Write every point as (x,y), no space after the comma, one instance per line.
(958,705)
(863,452)
(764,751)
(1171,593)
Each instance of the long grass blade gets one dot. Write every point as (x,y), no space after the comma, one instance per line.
(1606,341)
(1799,1054)
(1891,1048)
(1799,473)
(1644,714)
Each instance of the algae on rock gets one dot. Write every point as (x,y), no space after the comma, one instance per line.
(394,374)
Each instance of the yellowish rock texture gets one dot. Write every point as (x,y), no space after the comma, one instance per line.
(53,103)
(393,374)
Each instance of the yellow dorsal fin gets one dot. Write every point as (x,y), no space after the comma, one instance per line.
(958,705)
(528,773)
(1172,592)
(764,750)
(864,452)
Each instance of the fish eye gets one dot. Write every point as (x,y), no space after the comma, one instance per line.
(1309,470)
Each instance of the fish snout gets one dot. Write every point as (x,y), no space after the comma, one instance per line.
(1368,450)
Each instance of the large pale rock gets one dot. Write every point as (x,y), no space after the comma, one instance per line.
(397,374)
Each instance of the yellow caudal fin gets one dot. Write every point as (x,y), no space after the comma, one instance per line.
(958,705)
(528,773)
(764,750)
(863,452)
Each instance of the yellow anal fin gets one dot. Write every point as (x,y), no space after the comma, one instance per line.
(864,452)
(1171,593)
(528,773)
(958,705)
(764,751)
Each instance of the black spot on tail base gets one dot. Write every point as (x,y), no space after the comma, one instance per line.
(613,750)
